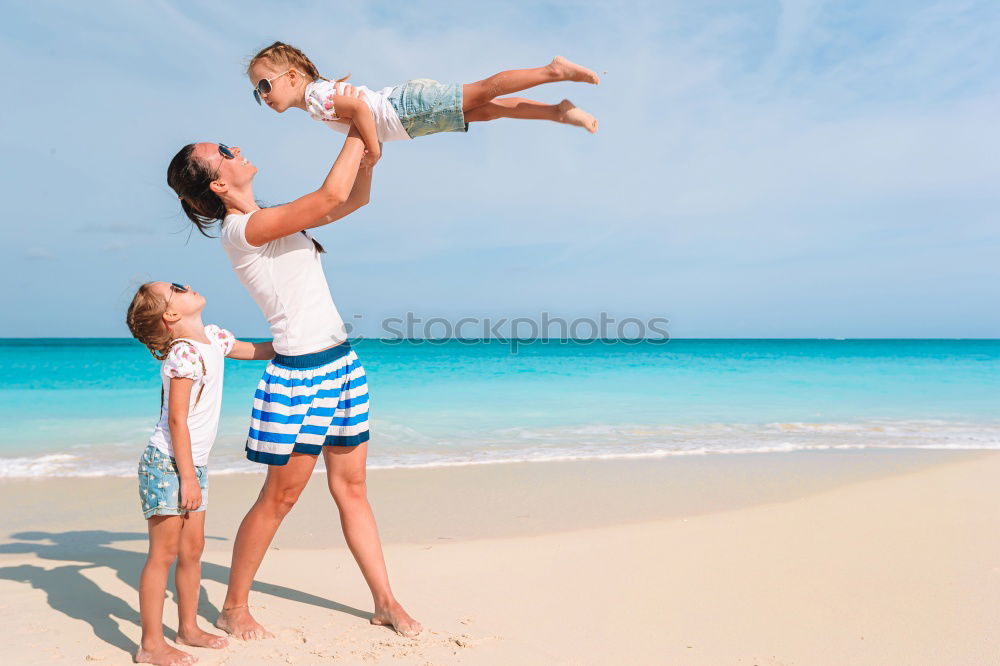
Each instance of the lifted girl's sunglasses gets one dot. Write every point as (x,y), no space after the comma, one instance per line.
(175,289)
(264,86)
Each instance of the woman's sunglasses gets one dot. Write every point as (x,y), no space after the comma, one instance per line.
(227,154)
(264,87)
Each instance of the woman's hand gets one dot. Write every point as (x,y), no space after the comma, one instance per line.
(330,109)
(351,91)
(372,157)
(190,498)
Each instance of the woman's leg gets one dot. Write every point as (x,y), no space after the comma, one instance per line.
(513,80)
(525,109)
(345,472)
(164,539)
(281,490)
(188,580)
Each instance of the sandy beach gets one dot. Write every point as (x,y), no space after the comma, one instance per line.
(824,557)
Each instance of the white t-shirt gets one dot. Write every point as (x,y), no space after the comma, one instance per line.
(285,278)
(185,360)
(387,124)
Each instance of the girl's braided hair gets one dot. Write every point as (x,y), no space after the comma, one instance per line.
(145,321)
(286,55)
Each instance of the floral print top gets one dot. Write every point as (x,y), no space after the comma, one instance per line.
(184,360)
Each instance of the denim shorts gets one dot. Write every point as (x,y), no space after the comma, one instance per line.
(160,485)
(425,106)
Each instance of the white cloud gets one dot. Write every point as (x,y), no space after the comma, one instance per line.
(117,246)
(41,253)
(119,227)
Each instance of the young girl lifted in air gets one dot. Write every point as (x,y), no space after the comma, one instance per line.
(283,77)
(173,473)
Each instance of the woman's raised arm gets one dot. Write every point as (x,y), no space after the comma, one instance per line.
(312,209)
(360,195)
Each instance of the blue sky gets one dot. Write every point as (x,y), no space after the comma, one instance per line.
(763,169)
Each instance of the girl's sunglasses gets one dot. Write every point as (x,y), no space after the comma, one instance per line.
(264,87)
(175,289)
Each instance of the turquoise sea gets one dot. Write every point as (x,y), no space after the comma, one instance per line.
(86,406)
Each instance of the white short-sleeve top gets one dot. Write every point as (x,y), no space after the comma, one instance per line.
(320,107)
(285,278)
(204,364)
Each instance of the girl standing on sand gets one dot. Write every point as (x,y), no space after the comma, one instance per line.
(173,470)
(313,398)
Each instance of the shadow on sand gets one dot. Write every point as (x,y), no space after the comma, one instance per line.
(72,593)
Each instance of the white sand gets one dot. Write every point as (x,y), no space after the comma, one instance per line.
(838,558)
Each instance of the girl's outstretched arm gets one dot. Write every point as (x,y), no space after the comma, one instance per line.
(251,351)
(308,211)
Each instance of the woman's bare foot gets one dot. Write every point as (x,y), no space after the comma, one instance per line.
(571,115)
(238,622)
(570,71)
(394,616)
(199,638)
(164,655)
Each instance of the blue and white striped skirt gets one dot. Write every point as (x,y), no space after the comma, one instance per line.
(306,402)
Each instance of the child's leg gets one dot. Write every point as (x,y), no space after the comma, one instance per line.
(188,579)
(513,80)
(164,540)
(526,109)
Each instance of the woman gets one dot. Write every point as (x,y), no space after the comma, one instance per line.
(312,399)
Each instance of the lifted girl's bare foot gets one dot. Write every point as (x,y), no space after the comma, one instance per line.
(570,71)
(238,622)
(199,638)
(571,115)
(164,655)
(394,616)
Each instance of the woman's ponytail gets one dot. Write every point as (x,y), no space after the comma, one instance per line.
(190,180)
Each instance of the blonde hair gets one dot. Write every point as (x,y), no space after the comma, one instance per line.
(145,320)
(286,55)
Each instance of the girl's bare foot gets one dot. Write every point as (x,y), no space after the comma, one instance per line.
(238,622)
(394,616)
(570,71)
(164,656)
(571,115)
(199,638)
